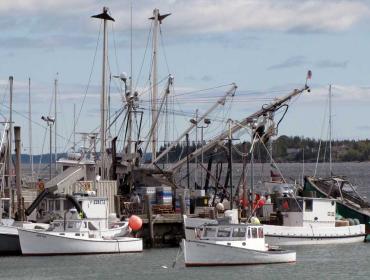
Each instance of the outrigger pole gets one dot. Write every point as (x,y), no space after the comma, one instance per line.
(238,125)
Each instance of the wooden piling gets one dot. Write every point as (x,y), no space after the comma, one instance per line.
(150,220)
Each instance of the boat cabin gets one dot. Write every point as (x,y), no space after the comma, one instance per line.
(246,236)
(57,207)
(303,211)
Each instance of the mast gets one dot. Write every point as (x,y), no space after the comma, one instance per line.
(230,159)
(330,128)
(10,145)
(55,122)
(157,18)
(103,100)
(155,86)
(17,139)
(74,127)
(30,125)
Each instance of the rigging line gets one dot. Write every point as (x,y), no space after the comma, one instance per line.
(115,49)
(34,122)
(321,136)
(151,86)
(145,52)
(163,48)
(88,84)
(202,90)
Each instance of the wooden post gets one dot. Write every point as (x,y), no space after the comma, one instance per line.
(150,219)
(182,204)
(17,139)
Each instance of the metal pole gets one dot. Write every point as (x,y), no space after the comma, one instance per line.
(50,152)
(55,123)
(187,160)
(30,125)
(196,147)
(17,138)
(230,168)
(11,203)
(251,195)
(330,126)
(74,127)
(202,157)
(154,81)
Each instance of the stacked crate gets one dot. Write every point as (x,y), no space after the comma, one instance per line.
(164,195)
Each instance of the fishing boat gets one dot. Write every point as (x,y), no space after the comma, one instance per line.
(311,221)
(242,244)
(77,234)
(76,237)
(349,203)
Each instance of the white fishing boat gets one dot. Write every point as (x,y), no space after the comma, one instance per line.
(242,244)
(311,221)
(76,237)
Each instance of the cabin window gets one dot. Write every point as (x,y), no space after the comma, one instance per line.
(308,206)
(249,233)
(239,232)
(224,232)
(51,205)
(260,232)
(57,205)
(254,232)
(70,225)
(210,232)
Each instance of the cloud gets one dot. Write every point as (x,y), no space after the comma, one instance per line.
(188,16)
(363,127)
(293,61)
(327,63)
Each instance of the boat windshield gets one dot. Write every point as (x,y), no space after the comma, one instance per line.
(209,232)
(224,232)
(239,232)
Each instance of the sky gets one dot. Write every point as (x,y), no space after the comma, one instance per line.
(266,47)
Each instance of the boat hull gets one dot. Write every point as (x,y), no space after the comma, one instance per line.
(284,235)
(200,253)
(44,243)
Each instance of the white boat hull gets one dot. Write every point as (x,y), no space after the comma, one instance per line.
(201,253)
(293,236)
(47,243)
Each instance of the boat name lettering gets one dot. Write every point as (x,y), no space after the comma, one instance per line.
(99,201)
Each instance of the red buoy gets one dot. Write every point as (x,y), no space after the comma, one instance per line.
(135,222)
(260,203)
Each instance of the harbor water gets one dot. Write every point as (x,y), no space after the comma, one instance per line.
(347,261)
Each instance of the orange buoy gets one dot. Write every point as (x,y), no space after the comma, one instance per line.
(135,222)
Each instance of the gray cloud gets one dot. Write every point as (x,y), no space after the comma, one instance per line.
(327,63)
(293,61)
(363,127)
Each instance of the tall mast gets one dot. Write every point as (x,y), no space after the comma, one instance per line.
(30,125)
(157,18)
(10,143)
(103,100)
(330,136)
(55,122)
(74,127)
(154,81)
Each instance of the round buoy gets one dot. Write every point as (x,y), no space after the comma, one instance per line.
(260,203)
(135,222)
(220,207)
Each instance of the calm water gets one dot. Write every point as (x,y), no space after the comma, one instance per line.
(349,261)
